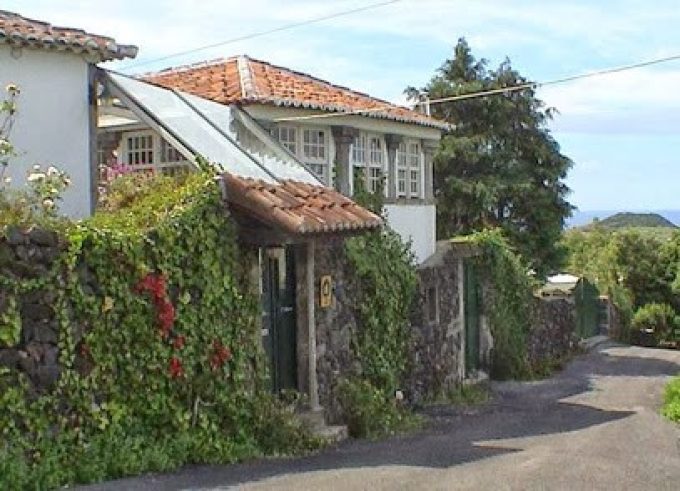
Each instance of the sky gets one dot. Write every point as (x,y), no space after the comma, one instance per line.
(622,131)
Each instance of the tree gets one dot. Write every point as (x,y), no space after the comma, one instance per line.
(499,166)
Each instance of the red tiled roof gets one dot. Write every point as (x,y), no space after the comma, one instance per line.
(20,31)
(298,208)
(246,80)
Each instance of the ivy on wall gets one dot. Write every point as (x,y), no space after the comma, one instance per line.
(159,350)
(386,281)
(509,303)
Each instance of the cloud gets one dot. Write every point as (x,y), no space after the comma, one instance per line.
(642,100)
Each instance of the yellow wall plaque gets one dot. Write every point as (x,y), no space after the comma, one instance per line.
(326,291)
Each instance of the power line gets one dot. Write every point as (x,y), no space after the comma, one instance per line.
(264,33)
(502,90)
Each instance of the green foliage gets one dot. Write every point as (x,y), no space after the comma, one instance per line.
(657,319)
(385,272)
(133,396)
(671,407)
(10,324)
(500,166)
(632,267)
(509,305)
(467,395)
(370,412)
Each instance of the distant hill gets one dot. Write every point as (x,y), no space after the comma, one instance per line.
(627,219)
(585,217)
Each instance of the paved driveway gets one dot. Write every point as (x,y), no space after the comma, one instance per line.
(596,425)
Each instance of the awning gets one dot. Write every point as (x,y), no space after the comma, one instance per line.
(298,208)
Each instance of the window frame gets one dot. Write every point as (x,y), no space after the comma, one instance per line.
(299,147)
(159,161)
(410,160)
(365,158)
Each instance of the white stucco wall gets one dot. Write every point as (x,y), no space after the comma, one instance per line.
(52,122)
(416,223)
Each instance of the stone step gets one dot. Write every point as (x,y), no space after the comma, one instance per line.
(312,419)
(333,434)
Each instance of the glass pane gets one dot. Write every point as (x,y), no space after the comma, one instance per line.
(196,128)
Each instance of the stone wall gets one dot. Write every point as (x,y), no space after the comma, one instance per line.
(335,325)
(29,255)
(552,334)
(437,350)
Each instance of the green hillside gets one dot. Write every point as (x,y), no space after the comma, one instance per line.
(626,220)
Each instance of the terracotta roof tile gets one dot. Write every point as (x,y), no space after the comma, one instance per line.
(246,80)
(299,208)
(21,31)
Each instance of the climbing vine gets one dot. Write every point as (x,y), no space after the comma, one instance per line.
(159,350)
(509,306)
(386,282)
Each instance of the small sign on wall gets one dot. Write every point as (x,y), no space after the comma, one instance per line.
(326,291)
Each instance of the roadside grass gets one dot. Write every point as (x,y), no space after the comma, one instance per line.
(462,395)
(671,407)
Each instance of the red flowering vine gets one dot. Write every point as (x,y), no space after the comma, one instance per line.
(156,286)
(179,342)
(176,369)
(220,355)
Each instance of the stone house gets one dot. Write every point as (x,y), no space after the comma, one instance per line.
(340,134)
(54,67)
(291,148)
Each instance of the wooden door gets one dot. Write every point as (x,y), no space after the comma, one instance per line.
(279,317)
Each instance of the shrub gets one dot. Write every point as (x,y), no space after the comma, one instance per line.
(671,408)
(369,412)
(656,322)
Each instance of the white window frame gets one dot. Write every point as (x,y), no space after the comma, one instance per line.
(370,159)
(298,147)
(410,163)
(159,152)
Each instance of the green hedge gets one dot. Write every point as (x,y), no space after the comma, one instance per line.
(160,351)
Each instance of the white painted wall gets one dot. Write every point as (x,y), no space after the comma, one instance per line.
(52,123)
(416,223)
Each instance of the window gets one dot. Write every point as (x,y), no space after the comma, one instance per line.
(287,136)
(170,154)
(368,160)
(310,145)
(414,164)
(139,149)
(146,150)
(409,170)
(315,152)
(432,304)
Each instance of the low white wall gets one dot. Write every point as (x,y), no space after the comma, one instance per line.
(415,223)
(52,122)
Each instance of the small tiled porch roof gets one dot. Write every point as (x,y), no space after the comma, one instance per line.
(298,208)
(245,80)
(19,31)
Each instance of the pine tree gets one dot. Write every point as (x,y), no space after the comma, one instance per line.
(500,166)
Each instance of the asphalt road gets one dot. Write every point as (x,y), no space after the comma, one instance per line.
(596,425)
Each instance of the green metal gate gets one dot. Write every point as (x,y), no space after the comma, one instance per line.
(279,318)
(587,299)
(471,296)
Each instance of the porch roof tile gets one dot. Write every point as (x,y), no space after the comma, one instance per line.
(299,208)
(245,80)
(17,30)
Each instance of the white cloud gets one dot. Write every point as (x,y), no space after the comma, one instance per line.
(645,99)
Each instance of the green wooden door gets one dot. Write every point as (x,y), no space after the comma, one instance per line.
(586,297)
(279,318)
(471,296)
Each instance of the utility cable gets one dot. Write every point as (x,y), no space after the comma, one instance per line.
(263,33)
(502,90)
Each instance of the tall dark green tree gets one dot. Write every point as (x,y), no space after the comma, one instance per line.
(499,166)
